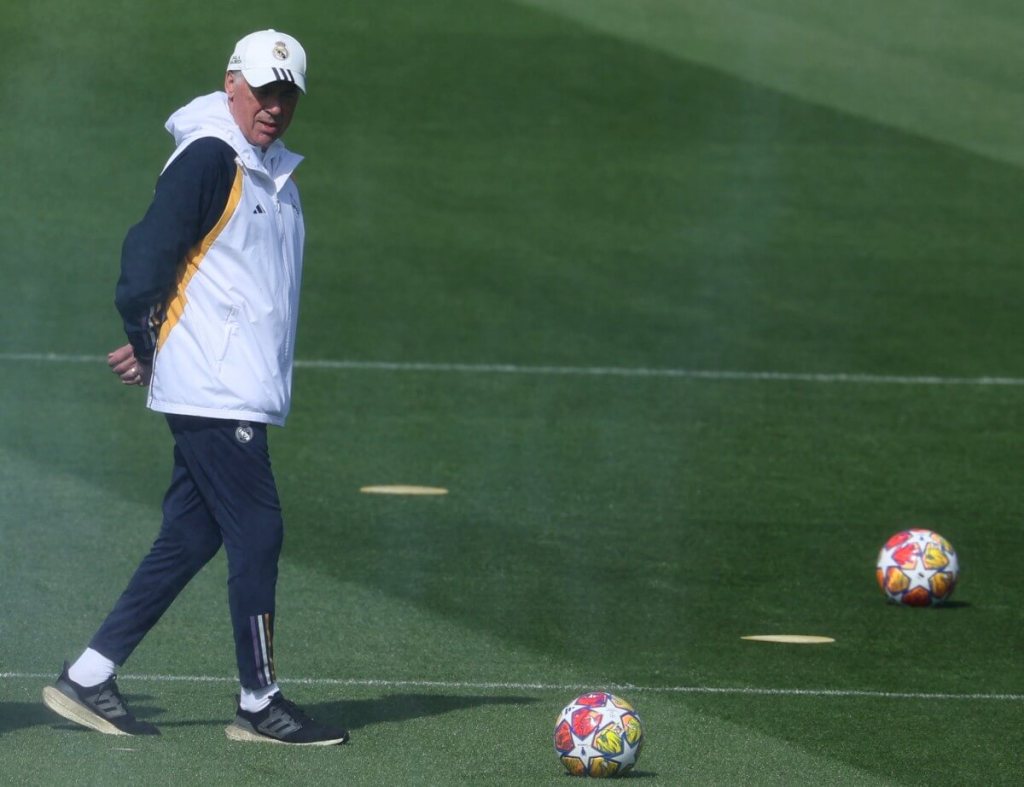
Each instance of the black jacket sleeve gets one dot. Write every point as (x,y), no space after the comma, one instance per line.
(189,199)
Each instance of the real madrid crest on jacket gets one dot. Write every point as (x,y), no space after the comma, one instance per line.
(221,320)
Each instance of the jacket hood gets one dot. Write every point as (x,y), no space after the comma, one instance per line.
(209,116)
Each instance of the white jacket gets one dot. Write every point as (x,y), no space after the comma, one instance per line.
(226,345)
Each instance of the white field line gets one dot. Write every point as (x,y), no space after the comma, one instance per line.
(592,371)
(484,685)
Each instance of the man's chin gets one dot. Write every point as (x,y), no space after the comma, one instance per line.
(264,138)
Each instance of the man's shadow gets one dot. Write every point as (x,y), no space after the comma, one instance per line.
(352,714)
(20,715)
(356,714)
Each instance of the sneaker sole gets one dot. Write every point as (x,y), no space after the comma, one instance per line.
(236,733)
(61,704)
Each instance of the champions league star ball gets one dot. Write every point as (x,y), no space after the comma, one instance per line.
(598,734)
(918,568)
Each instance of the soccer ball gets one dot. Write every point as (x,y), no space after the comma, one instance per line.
(918,568)
(598,734)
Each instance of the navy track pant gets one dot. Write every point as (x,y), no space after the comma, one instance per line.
(222,491)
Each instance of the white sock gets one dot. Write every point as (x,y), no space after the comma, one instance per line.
(253,700)
(91,668)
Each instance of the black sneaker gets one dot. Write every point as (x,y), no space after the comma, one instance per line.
(282,722)
(99,708)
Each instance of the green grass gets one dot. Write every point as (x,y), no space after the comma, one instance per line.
(607,185)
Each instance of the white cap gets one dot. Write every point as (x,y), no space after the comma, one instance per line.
(268,56)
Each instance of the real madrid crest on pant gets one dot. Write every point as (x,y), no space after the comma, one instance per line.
(243,433)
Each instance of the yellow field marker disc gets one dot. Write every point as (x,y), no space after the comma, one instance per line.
(403,489)
(798,639)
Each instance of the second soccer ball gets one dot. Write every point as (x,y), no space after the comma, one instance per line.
(918,568)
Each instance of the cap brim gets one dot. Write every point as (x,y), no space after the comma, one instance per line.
(258,77)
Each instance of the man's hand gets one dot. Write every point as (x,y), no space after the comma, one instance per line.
(124,364)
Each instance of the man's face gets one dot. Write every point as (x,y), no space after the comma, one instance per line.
(262,113)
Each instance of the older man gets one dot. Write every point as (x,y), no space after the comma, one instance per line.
(208,293)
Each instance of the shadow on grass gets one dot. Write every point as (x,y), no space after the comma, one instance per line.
(22,715)
(356,714)
(353,714)
(945,605)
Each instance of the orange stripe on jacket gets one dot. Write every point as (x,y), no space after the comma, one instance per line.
(194,258)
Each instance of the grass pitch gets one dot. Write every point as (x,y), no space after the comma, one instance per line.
(688,307)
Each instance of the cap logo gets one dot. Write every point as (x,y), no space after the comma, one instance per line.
(283,74)
(236,60)
(280,51)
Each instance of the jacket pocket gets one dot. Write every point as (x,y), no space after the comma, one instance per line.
(229,331)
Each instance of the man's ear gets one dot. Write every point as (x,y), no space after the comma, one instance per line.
(229,84)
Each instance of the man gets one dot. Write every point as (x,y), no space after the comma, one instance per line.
(209,296)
